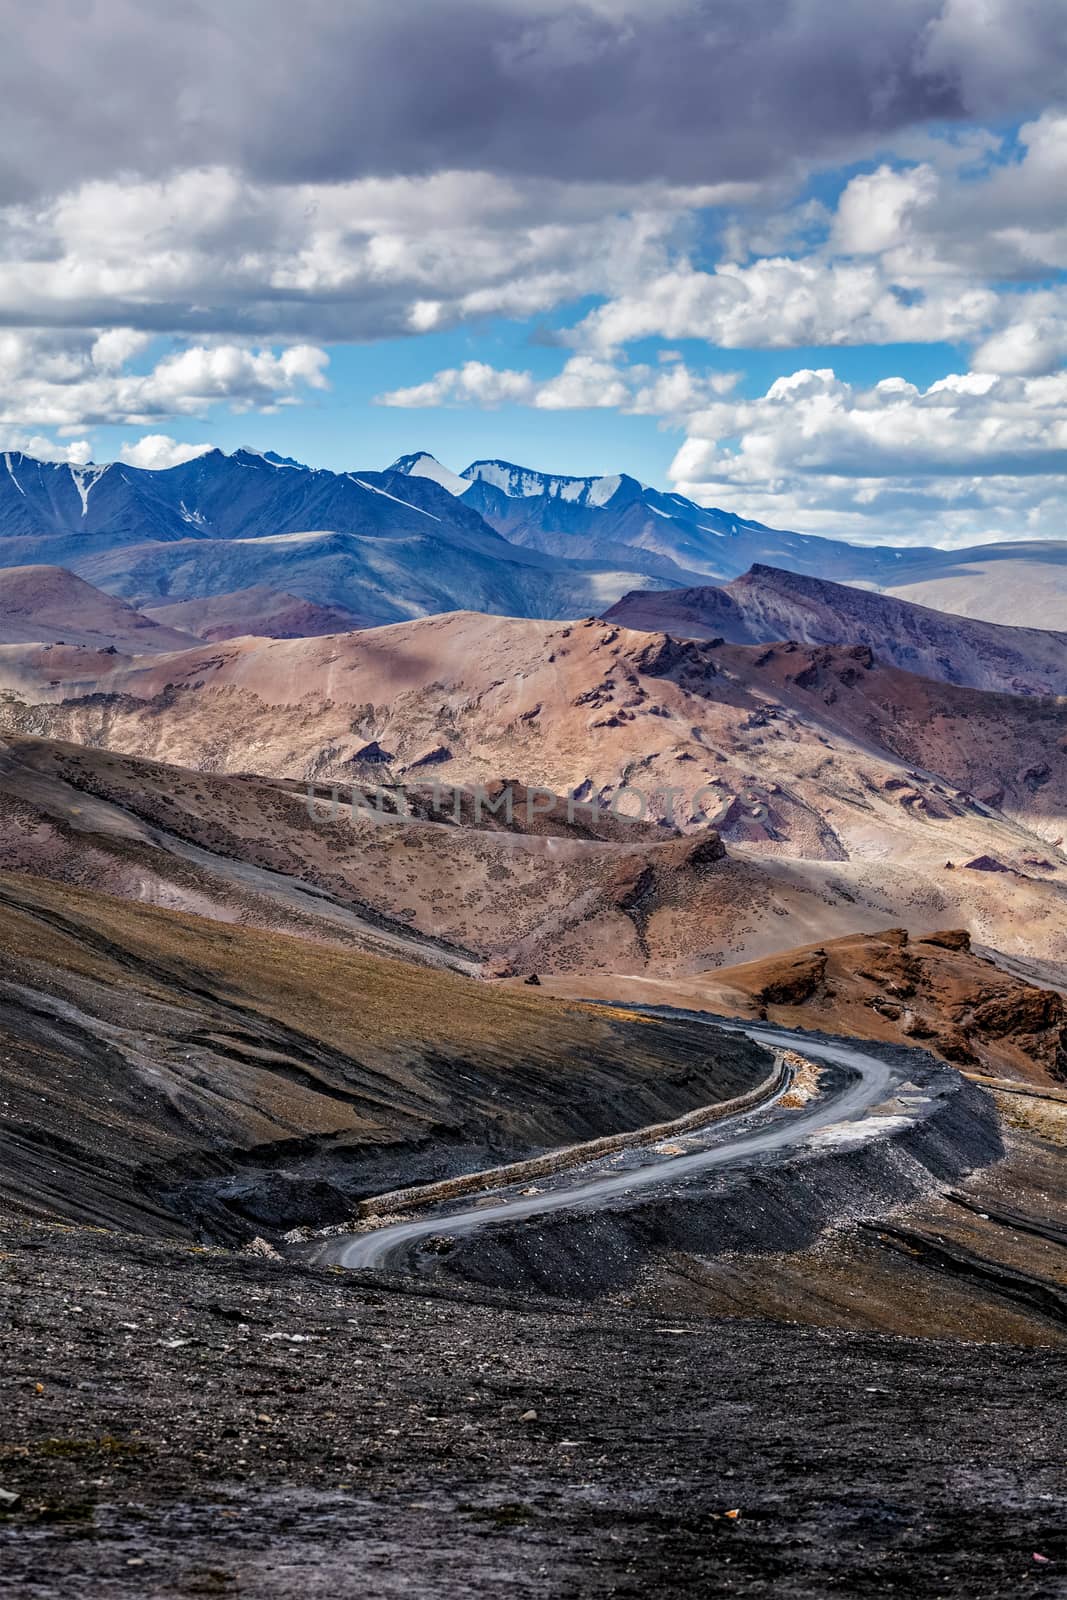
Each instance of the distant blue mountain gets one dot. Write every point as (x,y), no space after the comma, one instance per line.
(383,544)
(616,517)
(420,538)
(216,496)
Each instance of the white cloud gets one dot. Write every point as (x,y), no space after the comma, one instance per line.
(911,254)
(585,382)
(876,209)
(58,381)
(76,452)
(475,383)
(959,243)
(973,456)
(208,252)
(115,346)
(958,247)
(158,450)
(780,302)
(1005,220)
(1029,347)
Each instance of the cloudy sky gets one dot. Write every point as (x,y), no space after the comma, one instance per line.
(799,258)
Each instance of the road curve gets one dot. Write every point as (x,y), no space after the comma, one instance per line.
(869,1083)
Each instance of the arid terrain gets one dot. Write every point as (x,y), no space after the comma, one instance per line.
(440,930)
(850,795)
(533,800)
(765,605)
(49,605)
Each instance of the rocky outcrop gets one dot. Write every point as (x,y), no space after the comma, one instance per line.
(793,980)
(948,939)
(986,864)
(933,989)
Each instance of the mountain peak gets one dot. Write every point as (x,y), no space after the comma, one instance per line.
(423,465)
(271,457)
(523,483)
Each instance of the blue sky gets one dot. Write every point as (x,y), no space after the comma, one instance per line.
(344,428)
(805,263)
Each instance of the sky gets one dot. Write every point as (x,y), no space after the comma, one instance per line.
(802,260)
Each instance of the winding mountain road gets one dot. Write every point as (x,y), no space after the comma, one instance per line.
(731,1141)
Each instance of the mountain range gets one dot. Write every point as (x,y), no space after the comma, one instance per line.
(380,545)
(417,539)
(766,605)
(617,518)
(849,795)
(620,519)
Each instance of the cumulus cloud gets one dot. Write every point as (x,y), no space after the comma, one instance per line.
(255,180)
(585,382)
(205,252)
(685,90)
(49,381)
(782,302)
(1032,345)
(158,450)
(876,209)
(972,456)
(75,452)
(115,346)
(475,383)
(1005,220)
(929,252)
(915,253)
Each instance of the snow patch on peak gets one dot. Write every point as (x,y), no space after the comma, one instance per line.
(270,457)
(521,483)
(11,472)
(197,518)
(424,465)
(84,480)
(601,490)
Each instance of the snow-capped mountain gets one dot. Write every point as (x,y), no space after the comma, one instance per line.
(617,519)
(217,496)
(423,465)
(419,538)
(520,483)
(623,522)
(384,545)
(601,517)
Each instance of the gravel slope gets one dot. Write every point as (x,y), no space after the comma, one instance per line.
(187,1422)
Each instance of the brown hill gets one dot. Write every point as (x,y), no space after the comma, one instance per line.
(441,887)
(794,739)
(549,895)
(861,783)
(46,605)
(767,604)
(260,610)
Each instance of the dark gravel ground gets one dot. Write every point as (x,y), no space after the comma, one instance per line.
(180,1421)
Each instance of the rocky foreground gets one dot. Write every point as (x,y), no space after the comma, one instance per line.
(184,1421)
(757,1418)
